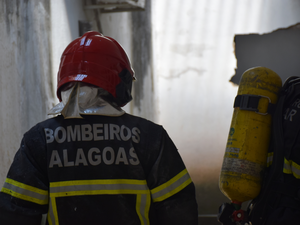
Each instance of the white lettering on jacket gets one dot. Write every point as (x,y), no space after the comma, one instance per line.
(291,112)
(94,157)
(87,132)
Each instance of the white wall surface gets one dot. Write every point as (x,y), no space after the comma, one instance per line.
(65,15)
(33,36)
(193,63)
(118,26)
(25,78)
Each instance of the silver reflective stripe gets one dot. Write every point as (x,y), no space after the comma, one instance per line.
(290,167)
(51,217)
(98,187)
(143,203)
(287,167)
(25,192)
(171,187)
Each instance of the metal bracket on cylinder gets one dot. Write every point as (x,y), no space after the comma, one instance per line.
(250,103)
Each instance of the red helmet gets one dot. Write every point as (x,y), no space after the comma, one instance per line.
(98,60)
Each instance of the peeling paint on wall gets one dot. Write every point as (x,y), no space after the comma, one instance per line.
(142,62)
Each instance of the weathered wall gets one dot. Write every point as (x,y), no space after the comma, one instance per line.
(118,26)
(64,18)
(144,99)
(25,84)
(133,31)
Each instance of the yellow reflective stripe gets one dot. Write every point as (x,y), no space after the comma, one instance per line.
(24,197)
(137,206)
(25,192)
(173,186)
(286,167)
(167,184)
(98,187)
(95,192)
(290,167)
(91,182)
(49,217)
(26,187)
(52,213)
(142,208)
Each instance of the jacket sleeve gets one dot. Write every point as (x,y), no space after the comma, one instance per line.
(24,196)
(172,190)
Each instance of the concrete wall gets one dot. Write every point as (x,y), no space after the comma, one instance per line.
(25,75)
(144,89)
(133,31)
(118,26)
(64,18)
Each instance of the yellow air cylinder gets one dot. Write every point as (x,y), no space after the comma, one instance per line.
(247,146)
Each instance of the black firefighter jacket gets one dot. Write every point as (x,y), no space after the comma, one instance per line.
(98,170)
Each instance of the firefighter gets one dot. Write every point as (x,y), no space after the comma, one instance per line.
(93,163)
